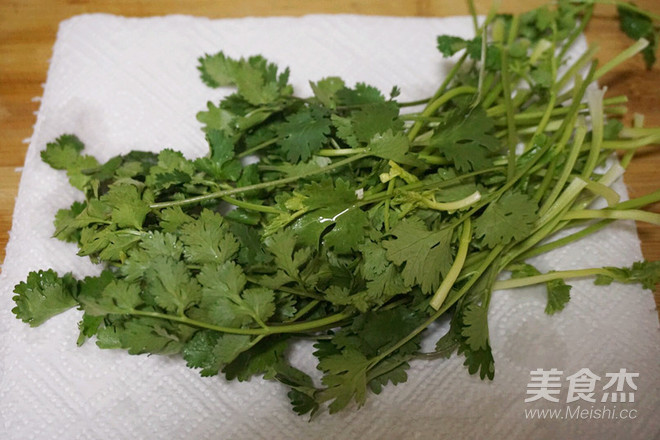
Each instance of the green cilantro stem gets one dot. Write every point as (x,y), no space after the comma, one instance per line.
(595,101)
(329,152)
(257,147)
(305,310)
(544,278)
(595,227)
(611,196)
(453,206)
(575,68)
(437,103)
(456,267)
(252,206)
(635,132)
(638,202)
(307,326)
(566,198)
(631,144)
(510,122)
(580,134)
(529,116)
(630,52)
(413,103)
(257,186)
(629,214)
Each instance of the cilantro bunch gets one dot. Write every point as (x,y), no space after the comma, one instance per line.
(347,219)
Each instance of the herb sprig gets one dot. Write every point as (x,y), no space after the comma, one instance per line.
(358,224)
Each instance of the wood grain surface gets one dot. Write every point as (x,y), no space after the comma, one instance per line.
(28,29)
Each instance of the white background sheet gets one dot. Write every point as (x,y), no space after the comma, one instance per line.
(123,84)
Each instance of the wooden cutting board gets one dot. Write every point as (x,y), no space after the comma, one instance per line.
(28,30)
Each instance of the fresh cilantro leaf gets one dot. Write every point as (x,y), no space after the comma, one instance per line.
(217,70)
(143,335)
(646,273)
(64,154)
(479,361)
(171,219)
(173,169)
(326,90)
(109,296)
(391,370)
(426,254)
(511,217)
(170,286)
(359,95)
(220,164)
(345,378)
(208,239)
(210,351)
(106,244)
(257,79)
(230,346)
(262,358)
(304,133)
(152,246)
(448,45)
(475,327)
(344,129)
(252,251)
(558,296)
(198,352)
(330,207)
(66,228)
(88,326)
(393,147)
(374,331)
(217,118)
(467,140)
(225,301)
(637,25)
(376,118)
(303,392)
(43,295)
(129,207)
(611,129)
(289,259)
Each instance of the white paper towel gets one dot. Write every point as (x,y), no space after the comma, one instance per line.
(123,84)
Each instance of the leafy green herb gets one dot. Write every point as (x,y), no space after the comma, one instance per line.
(637,24)
(358,225)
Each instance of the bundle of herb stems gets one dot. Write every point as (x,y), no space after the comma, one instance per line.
(356,223)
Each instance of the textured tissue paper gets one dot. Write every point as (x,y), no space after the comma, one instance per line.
(123,84)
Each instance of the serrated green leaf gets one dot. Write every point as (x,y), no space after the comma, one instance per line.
(558,296)
(304,133)
(326,90)
(345,378)
(129,206)
(475,327)
(169,285)
(208,240)
(448,45)
(511,217)
(467,140)
(43,295)
(427,254)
